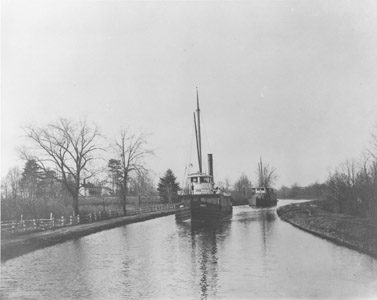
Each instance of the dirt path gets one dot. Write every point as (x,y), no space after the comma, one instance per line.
(19,245)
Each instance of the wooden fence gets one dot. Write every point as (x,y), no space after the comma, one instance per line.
(12,227)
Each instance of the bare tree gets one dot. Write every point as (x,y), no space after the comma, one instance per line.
(227,185)
(130,148)
(11,194)
(10,184)
(266,174)
(372,153)
(350,170)
(14,179)
(4,188)
(243,186)
(372,150)
(69,149)
(142,184)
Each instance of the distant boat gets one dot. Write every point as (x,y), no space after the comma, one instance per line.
(262,196)
(200,200)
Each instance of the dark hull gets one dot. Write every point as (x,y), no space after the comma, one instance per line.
(183,213)
(263,200)
(203,208)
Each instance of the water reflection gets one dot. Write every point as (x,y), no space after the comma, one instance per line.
(252,255)
(205,238)
(266,219)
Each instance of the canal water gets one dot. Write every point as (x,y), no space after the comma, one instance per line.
(254,255)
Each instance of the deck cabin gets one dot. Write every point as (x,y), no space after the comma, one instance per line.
(262,190)
(201,183)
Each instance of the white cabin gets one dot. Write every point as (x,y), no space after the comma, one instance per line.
(261,190)
(201,183)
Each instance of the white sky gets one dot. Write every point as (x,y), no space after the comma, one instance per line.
(292,81)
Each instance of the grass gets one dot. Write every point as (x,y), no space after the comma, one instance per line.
(320,217)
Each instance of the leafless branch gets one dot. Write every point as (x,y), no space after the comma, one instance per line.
(67,147)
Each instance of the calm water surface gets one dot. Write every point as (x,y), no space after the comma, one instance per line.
(253,255)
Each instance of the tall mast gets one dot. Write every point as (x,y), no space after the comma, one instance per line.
(198,133)
(197,143)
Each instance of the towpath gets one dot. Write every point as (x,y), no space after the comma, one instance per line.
(18,245)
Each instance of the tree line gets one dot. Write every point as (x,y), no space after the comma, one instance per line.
(62,164)
(63,159)
(352,185)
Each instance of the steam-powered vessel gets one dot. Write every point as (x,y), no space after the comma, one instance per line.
(200,200)
(262,196)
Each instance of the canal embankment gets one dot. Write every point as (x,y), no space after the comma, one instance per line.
(17,245)
(318,217)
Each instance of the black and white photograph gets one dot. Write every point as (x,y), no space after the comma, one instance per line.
(188,149)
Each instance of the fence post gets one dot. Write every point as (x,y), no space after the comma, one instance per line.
(95,216)
(34,223)
(90,217)
(70,220)
(62,220)
(23,227)
(78,219)
(12,226)
(52,220)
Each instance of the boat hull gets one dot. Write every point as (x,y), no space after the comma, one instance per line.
(182,212)
(263,200)
(204,208)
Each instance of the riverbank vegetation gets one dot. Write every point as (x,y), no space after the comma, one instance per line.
(63,167)
(352,186)
(321,217)
(64,173)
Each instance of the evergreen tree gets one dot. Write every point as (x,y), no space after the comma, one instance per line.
(115,175)
(168,188)
(32,180)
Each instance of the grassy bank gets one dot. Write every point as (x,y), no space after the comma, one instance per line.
(19,245)
(320,218)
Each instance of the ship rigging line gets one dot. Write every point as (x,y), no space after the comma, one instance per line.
(188,161)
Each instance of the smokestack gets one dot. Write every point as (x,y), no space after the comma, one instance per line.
(210,165)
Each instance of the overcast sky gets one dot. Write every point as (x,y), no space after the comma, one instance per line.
(292,81)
